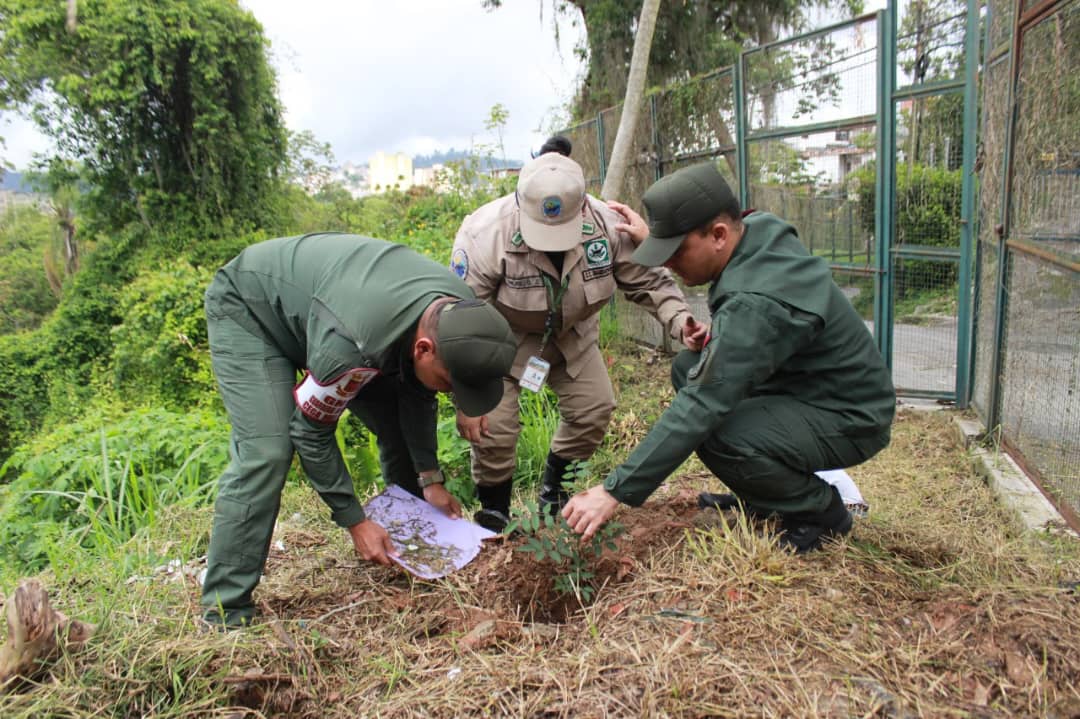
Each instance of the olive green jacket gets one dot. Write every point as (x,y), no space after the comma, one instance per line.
(343,308)
(780,326)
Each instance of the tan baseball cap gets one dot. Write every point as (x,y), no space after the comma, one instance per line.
(550,197)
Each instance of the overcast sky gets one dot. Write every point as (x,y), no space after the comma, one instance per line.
(409,76)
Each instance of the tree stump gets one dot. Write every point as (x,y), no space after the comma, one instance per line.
(37,634)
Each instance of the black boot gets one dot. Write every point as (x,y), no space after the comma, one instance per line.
(552,496)
(494,511)
(804,531)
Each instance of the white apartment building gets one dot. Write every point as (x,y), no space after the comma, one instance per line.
(389,170)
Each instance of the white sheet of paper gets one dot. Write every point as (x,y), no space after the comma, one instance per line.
(840,479)
(429,544)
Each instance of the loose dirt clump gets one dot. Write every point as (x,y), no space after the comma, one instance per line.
(513,584)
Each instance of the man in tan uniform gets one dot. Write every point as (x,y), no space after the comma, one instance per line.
(549,257)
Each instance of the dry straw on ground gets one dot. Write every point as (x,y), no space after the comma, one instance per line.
(936,606)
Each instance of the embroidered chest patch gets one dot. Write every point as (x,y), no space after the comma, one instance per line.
(324,403)
(597,252)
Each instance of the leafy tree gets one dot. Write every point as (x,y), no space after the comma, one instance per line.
(308,162)
(691,37)
(170,105)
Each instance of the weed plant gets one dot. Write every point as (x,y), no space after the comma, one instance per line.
(550,538)
(96,483)
(539,418)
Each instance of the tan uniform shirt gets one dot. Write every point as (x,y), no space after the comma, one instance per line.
(493,259)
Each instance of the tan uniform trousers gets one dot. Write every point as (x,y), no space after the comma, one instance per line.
(585,406)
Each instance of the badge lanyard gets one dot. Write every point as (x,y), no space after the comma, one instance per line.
(536,369)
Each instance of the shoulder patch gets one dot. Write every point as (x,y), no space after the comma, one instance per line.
(324,403)
(587,228)
(459,263)
(696,370)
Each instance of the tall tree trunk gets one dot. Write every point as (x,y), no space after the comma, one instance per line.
(635,92)
(72,14)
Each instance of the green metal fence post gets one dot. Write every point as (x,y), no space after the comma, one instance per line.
(602,160)
(741,146)
(658,170)
(1001,291)
(965,327)
(885,182)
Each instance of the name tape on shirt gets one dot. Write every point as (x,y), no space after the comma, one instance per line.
(325,402)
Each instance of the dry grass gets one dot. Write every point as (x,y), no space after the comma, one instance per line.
(936,606)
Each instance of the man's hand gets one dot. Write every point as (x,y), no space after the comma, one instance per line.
(587,511)
(372,542)
(437,496)
(694,334)
(634,224)
(472,428)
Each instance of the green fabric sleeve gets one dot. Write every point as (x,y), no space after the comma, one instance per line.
(325,468)
(752,335)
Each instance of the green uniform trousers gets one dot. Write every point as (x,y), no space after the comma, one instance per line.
(585,406)
(769,446)
(256,384)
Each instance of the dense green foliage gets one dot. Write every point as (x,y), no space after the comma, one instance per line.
(927,205)
(170,107)
(25,294)
(106,476)
(160,347)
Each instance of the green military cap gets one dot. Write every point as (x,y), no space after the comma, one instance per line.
(679,203)
(477,346)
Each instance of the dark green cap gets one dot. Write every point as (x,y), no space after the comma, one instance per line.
(477,346)
(683,201)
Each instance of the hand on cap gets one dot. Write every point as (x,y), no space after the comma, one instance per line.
(372,542)
(437,496)
(472,428)
(694,334)
(587,511)
(634,224)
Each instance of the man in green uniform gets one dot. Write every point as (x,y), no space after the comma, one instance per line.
(789,380)
(376,329)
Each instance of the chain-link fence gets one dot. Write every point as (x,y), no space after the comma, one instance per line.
(1027,362)
(961,255)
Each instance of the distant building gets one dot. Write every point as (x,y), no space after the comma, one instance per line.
(426,176)
(387,171)
(354,178)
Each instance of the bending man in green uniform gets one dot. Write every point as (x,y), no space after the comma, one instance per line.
(376,329)
(789,380)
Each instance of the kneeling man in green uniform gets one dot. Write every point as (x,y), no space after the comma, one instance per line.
(789,380)
(376,329)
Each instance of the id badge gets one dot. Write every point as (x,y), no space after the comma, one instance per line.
(536,371)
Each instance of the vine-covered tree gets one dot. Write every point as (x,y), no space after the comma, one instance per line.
(169,106)
(691,36)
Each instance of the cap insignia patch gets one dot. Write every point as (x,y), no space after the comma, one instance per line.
(551,206)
